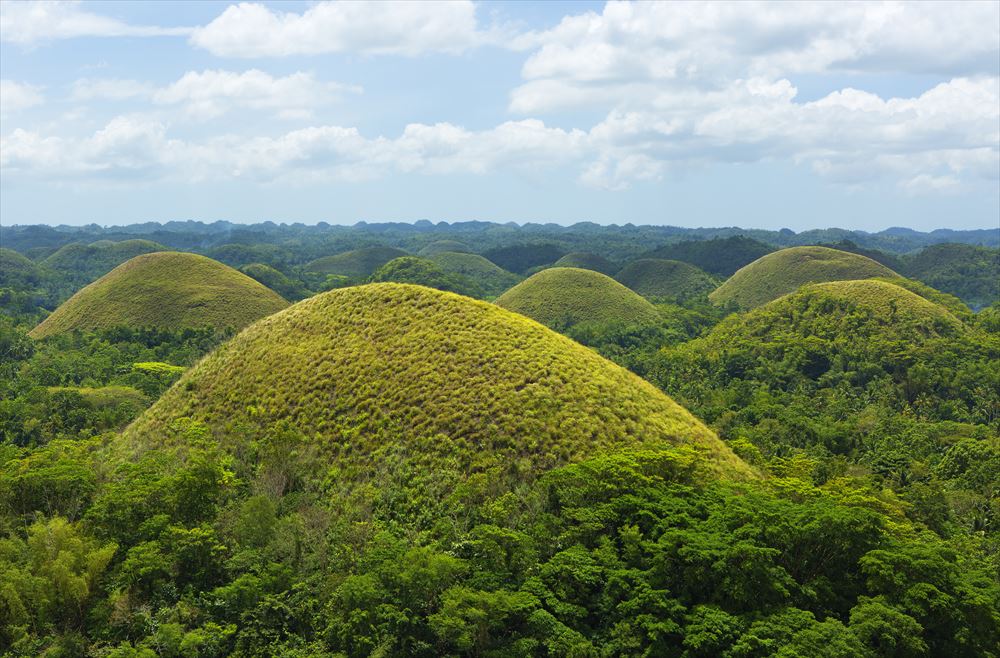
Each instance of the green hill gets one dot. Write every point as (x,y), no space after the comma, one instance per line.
(276,281)
(787,270)
(442,246)
(17,271)
(424,272)
(665,279)
(168,289)
(587,261)
(80,264)
(969,272)
(522,257)
(493,280)
(358,263)
(718,256)
(382,377)
(561,297)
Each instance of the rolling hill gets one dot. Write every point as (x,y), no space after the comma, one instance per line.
(17,270)
(441,246)
(82,263)
(381,376)
(424,272)
(492,279)
(276,280)
(718,256)
(665,279)
(969,272)
(587,261)
(358,263)
(785,271)
(166,289)
(561,297)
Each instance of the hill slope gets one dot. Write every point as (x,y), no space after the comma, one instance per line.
(400,372)
(969,272)
(785,271)
(561,297)
(587,261)
(82,263)
(492,279)
(670,279)
(718,256)
(17,270)
(442,246)
(358,263)
(165,289)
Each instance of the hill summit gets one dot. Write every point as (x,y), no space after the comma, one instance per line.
(561,297)
(659,278)
(165,289)
(383,374)
(785,271)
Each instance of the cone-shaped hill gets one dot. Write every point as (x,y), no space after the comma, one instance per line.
(561,297)
(165,289)
(587,261)
(825,319)
(17,270)
(358,263)
(442,246)
(491,278)
(665,279)
(785,271)
(382,375)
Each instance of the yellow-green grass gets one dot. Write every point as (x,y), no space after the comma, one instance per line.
(358,263)
(785,271)
(491,278)
(442,246)
(839,312)
(104,397)
(374,374)
(955,305)
(658,278)
(561,297)
(587,261)
(165,289)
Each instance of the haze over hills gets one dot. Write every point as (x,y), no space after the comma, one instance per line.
(782,272)
(561,297)
(168,290)
(389,371)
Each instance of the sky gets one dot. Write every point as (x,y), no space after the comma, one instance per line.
(861,115)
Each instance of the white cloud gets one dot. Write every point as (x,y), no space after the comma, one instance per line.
(212,93)
(28,22)
(17,96)
(388,27)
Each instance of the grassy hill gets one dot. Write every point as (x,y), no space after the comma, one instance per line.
(787,270)
(391,376)
(522,257)
(442,246)
(165,289)
(358,263)
(276,281)
(561,297)
(969,272)
(587,261)
(424,272)
(80,263)
(665,279)
(718,256)
(490,278)
(17,270)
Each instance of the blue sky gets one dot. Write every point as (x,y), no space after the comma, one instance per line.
(800,115)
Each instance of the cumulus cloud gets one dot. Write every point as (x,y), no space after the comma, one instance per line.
(17,96)
(27,22)
(387,27)
(212,93)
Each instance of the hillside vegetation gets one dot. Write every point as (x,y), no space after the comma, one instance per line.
(442,246)
(358,263)
(83,263)
(168,290)
(718,256)
(562,297)
(969,272)
(672,280)
(424,272)
(406,375)
(522,257)
(787,270)
(276,280)
(490,278)
(17,271)
(587,261)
